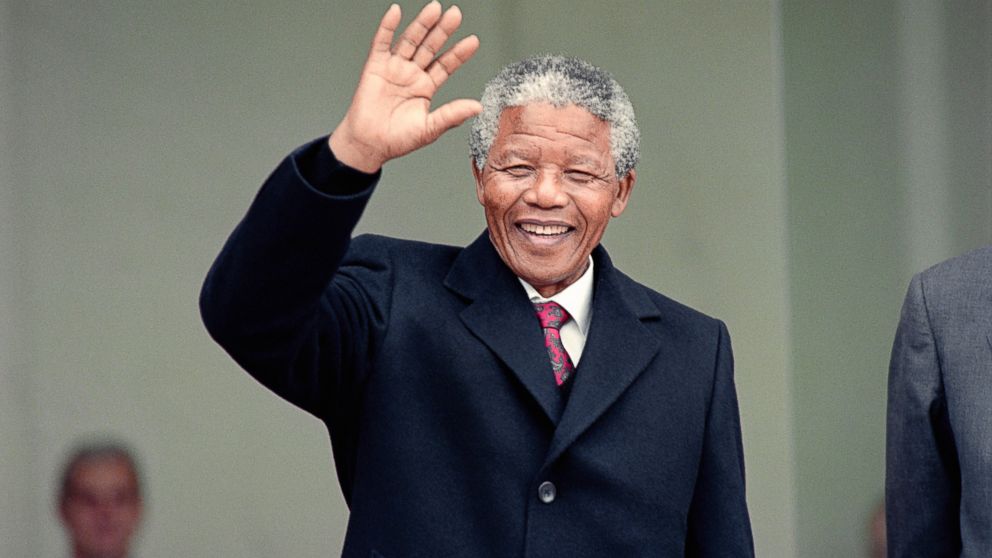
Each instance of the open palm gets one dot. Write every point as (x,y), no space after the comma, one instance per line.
(390,114)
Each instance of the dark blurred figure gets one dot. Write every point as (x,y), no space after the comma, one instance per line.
(100,501)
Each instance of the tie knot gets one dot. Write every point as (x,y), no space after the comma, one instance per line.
(551,314)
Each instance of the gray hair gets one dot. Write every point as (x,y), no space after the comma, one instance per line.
(559,81)
(96,452)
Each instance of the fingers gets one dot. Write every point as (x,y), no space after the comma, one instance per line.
(383,37)
(451,114)
(413,36)
(437,36)
(442,68)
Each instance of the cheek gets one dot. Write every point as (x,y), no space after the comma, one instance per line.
(596,210)
(496,199)
(126,512)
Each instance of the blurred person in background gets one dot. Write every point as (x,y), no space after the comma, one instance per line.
(938,492)
(100,501)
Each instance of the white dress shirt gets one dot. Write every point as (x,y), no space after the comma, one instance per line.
(576,299)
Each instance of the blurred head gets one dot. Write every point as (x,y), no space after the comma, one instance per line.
(553,156)
(100,501)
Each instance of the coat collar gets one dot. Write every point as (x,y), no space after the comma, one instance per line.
(618,349)
(500,314)
(618,345)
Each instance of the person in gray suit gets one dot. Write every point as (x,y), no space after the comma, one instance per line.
(938,487)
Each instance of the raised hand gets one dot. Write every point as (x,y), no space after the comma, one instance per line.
(390,113)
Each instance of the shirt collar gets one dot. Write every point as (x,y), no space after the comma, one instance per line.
(576,298)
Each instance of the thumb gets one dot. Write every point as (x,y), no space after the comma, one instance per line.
(451,114)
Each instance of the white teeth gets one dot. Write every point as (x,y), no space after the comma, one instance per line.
(547,230)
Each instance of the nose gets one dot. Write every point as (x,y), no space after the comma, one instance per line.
(104,507)
(547,191)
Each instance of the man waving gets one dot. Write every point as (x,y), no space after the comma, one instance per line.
(519,396)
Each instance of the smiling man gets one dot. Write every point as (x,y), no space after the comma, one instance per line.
(548,181)
(516,397)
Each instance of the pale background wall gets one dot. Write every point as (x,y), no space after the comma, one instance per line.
(801,160)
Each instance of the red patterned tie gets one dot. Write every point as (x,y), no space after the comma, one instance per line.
(552,316)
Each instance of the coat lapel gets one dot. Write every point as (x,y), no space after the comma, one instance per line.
(500,315)
(618,348)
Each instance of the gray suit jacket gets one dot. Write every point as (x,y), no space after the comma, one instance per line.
(938,486)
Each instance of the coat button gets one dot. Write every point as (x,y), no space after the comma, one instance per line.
(547,492)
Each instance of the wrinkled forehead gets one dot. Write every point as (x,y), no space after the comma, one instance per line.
(569,123)
(571,107)
(541,131)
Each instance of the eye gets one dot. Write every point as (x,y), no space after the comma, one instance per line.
(518,171)
(579,177)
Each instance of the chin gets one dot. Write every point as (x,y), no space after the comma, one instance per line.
(541,280)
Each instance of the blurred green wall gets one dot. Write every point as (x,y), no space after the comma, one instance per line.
(790,183)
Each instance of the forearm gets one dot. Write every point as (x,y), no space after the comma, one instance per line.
(263,293)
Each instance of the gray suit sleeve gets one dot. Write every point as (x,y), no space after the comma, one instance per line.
(922,480)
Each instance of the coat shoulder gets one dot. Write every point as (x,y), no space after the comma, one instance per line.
(952,297)
(976,261)
(399,247)
(401,254)
(963,276)
(652,305)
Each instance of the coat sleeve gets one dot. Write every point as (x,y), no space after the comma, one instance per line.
(279,299)
(719,524)
(922,482)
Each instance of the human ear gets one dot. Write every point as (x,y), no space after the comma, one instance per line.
(477,174)
(625,187)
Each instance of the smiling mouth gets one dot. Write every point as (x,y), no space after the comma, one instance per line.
(544,230)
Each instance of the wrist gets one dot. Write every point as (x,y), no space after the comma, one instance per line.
(353,153)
